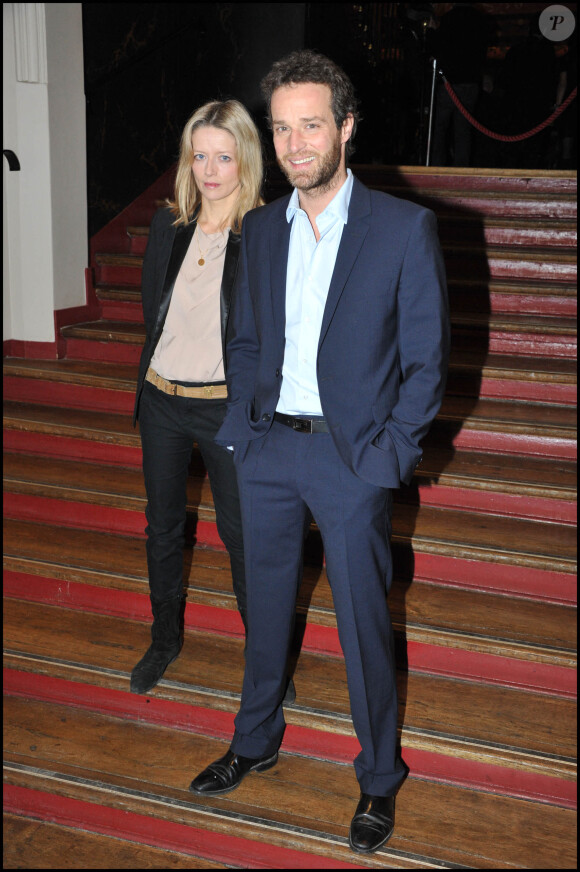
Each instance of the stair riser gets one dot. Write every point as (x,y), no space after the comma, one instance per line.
(70,448)
(423,494)
(462,385)
(472,231)
(466,299)
(476,265)
(42,392)
(114,310)
(112,352)
(469,265)
(461,300)
(508,443)
(521,344)
(466,231)
(108,519)
(21,389)
(499,207)
(301,740)
(513,505)
(411,561)
(450,662)
(107,274)
(148,830)
(400,180)
(494,341)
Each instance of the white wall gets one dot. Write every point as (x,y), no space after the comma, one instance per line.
(45,242)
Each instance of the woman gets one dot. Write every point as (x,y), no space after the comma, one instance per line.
(188,274)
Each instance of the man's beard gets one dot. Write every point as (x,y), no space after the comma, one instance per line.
(321,180)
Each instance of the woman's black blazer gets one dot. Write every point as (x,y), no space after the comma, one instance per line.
(164,255)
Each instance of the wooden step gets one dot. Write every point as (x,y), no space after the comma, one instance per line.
(496,426)
(486,230)
(437,715)
(116,341)
(300,807)
(505,427)
(498,296)
(537,182)
(85,383)
(514,333)
(111,387)
(62,432)
(466,294)
(476,191)
(461,259)
(440,629)
(508,376)
(38,843)
(544,335)
(80,494)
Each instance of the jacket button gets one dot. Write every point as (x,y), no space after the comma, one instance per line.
(265,417)
(277,373)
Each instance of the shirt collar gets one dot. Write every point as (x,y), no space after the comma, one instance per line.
(337,208)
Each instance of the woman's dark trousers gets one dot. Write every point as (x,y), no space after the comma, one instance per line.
(169,427)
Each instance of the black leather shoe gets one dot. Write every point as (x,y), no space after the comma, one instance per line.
(227,773)
(372,824)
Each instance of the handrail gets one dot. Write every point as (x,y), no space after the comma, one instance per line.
(13,162)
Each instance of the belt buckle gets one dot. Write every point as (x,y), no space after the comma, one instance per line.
(302,426)
(208,391)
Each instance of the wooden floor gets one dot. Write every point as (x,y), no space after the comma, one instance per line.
(483,600)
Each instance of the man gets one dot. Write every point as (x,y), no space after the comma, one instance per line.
(335,371)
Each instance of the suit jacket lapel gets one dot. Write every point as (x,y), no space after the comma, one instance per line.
(181,240)
(279,246)
(351,241)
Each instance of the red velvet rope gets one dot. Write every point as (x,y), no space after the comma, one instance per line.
(501,136)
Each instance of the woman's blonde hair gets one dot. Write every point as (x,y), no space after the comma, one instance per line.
(231,116)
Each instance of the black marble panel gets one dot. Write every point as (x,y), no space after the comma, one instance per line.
(148,66)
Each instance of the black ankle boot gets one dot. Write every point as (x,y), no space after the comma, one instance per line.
(167,639)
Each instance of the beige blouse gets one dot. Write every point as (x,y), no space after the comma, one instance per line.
(190,346)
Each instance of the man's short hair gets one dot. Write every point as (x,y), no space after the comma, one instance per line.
(308,66)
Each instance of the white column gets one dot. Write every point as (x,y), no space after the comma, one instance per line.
(44,204)
(68,152)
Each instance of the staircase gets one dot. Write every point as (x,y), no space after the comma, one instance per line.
(483,601)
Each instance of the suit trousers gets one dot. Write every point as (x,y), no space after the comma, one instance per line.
(284,477)
(169,426)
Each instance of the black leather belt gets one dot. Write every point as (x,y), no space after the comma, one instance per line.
(302,425)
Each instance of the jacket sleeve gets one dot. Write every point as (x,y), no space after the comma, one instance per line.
(243,353)
(423,338)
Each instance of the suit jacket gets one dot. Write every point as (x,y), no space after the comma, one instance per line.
(164,255)
(384,342)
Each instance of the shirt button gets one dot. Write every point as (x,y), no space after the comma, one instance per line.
(265,417)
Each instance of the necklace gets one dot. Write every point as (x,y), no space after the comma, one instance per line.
(202,254)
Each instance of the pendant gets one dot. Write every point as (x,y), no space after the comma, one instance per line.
(201,261)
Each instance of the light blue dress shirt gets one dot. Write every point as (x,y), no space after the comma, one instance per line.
(310,268)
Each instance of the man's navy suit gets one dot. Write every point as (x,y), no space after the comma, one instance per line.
(381,367)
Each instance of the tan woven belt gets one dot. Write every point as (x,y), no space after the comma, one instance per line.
(207,392)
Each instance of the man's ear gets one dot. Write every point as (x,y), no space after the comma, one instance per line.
(347,126)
